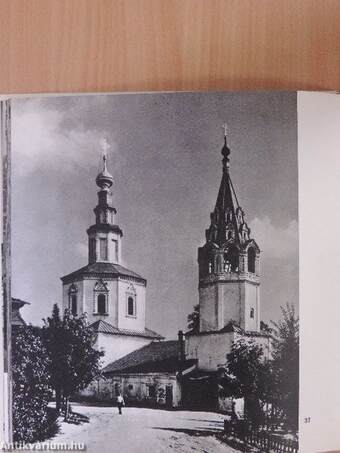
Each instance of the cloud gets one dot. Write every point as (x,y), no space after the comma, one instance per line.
(279,243)
(42,137)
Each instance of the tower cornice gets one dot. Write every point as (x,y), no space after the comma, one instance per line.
(104,228)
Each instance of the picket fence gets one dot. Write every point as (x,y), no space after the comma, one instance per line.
(266,442)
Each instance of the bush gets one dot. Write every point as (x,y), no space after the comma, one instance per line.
(31,420)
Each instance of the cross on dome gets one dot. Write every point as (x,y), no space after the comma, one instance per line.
(225,150)
(105,146)
(104,180)
(225,129)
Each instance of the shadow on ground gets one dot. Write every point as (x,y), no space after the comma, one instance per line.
(75,418)
(198,432)
(205,432)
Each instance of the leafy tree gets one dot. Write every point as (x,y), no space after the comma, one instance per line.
(286,364)
(264,327)
(248,376)
(74,362)
(194,319)
(31,393)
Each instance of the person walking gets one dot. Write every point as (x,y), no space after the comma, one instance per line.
(120,403)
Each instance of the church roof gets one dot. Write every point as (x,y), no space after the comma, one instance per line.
(162,356)
(105,327)
(101,269)
(231,327)
(228,225)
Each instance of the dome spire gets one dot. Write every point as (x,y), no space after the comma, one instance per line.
(225,150)
(104,179)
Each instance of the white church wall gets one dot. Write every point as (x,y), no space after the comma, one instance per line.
(251,302)
(125,289)
(231,298)
(135,389)
(208,308)
(116,346)
(210,350)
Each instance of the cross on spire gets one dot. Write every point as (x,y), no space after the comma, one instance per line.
(105,146)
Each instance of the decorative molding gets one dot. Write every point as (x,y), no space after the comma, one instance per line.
(100,288)
(131,292)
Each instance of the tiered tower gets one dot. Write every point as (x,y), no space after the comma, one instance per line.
(229,263)
(112,295)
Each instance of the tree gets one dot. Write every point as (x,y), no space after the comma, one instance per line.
(74,362)
(286,364)
(248,376)
(264,327)
(31,392)
(194,320)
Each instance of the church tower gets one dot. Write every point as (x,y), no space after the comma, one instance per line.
(229,263)
(112,296)
(104,235)
(229,281)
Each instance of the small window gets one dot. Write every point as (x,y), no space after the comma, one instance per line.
(101,304)
(103,249)
(210,267)
(131,306)
(130,387)
(252,313)
(251,260)
(74,304)
(152,391)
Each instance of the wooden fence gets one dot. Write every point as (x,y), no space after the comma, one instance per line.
(267,442)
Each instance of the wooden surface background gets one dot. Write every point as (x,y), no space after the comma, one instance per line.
(135,45)
(64,46)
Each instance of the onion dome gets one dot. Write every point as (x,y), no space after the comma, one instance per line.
(225,150)
(104,179)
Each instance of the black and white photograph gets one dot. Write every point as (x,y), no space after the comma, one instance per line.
(155,272)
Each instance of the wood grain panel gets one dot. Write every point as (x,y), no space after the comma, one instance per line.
(134,45)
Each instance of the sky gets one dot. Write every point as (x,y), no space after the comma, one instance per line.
(166,162)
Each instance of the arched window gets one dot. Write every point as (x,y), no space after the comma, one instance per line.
(101,304)
(252,313)
(210,267)
(251,260)
(231,260)
(100,298)
(131,298)
(131,306)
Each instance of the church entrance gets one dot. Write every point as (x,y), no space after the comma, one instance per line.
(199,393)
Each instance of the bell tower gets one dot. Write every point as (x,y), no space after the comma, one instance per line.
(104,236)
(229,263)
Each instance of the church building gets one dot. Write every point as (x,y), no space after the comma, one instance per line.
(183,372)
(112,295)
(229,294)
